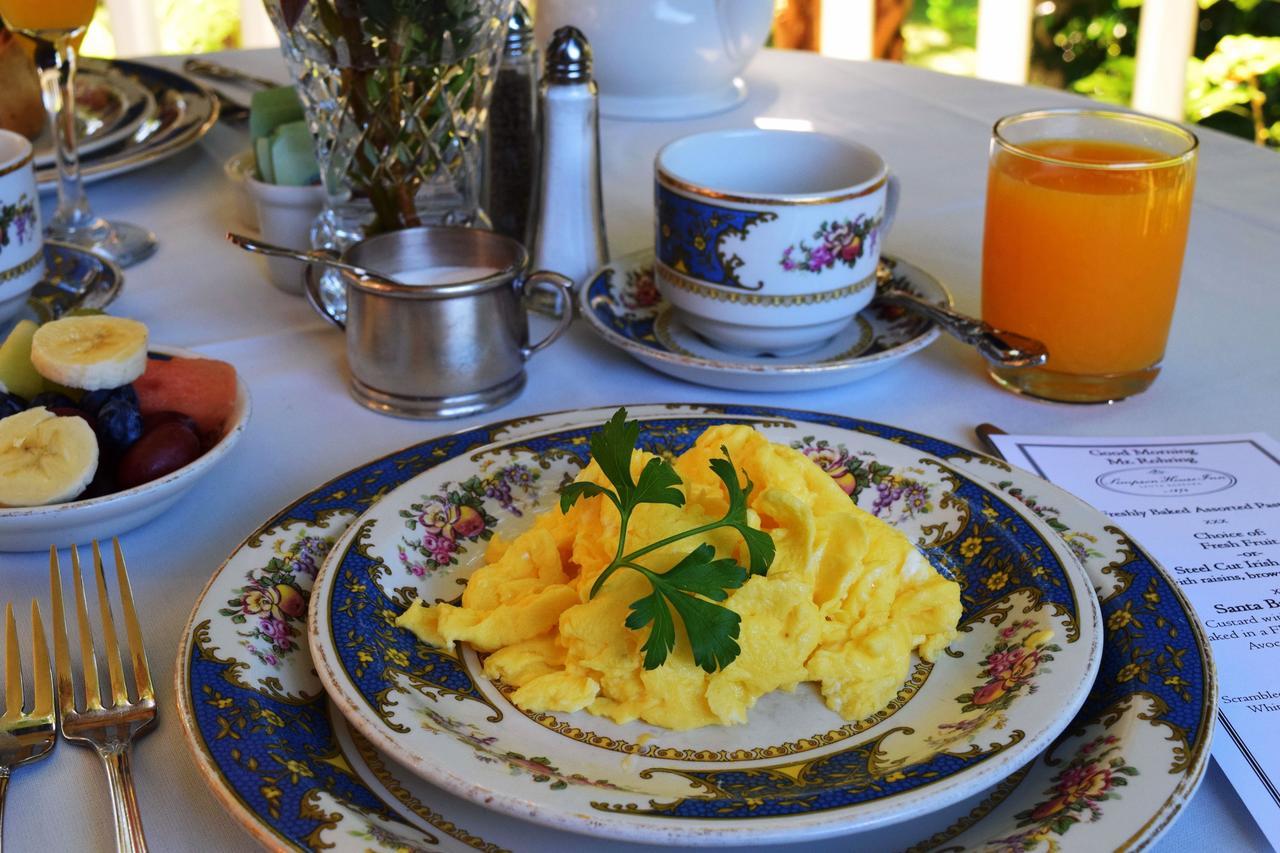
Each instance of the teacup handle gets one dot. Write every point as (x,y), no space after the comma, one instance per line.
(311,287)
(562,287)
(892,190)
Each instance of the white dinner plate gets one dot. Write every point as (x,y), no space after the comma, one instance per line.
(796,769)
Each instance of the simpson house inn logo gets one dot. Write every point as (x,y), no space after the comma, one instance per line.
(1166,481)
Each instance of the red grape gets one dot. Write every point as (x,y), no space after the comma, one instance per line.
(164,449)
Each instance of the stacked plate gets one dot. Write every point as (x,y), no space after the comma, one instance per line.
(129,115)
(1074,710)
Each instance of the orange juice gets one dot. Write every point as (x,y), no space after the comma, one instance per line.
(47,15)
(1083,249)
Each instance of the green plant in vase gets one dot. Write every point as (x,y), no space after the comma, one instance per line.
(396,93)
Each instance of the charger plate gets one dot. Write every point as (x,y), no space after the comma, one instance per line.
(259,725)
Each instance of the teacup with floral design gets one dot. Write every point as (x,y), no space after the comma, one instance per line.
(21,243)
(767,241)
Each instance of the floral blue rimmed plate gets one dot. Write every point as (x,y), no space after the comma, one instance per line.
(796,769)
(109,108)
(182,113)
(259,726)
(623,306)
(73,278)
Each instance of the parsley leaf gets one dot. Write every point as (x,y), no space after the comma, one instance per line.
(759,544)
(692,587)
(611,447)
(712,629)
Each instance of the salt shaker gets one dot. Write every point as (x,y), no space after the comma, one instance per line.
(570,219)
(511,143)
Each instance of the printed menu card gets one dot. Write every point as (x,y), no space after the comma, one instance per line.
(1208,508)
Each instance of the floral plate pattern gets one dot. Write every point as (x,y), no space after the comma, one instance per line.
(263,735)
(796,769)
(623,306)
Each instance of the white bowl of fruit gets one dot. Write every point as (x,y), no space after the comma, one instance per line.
(100,432)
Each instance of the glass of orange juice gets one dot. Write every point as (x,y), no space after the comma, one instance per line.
(61,24)
(1087,214)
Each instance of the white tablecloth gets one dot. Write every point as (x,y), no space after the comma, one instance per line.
(1222,374)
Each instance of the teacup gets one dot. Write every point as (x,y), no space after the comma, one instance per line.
(443,333)
(21,241)
(767,241)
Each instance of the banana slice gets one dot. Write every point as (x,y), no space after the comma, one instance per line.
(44,458)
(90,352)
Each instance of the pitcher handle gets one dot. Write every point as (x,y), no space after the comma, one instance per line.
(562,287)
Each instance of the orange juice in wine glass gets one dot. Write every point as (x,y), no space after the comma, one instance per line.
(63,23)
(1086,226)
(48,16)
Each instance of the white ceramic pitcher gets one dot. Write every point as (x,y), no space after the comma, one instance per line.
(664,59)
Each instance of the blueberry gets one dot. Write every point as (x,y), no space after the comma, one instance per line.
(52,400)
(92,401)
(11,404)
(119,424)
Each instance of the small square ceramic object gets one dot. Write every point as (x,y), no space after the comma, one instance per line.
(21,238)
(285,215)
(767,241)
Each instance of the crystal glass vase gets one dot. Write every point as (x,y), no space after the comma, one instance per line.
(396,94)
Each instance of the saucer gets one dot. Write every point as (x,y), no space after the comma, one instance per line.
(623,306)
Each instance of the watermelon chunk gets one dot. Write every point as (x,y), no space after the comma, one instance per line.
(203,389)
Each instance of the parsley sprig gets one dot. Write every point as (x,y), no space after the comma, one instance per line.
(690,588)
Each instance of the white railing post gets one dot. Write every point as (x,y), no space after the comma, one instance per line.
(847,28)
(134,27)
(1004,40)
(255,26)
(1166,40)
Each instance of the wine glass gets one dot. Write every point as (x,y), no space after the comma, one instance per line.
(61,24)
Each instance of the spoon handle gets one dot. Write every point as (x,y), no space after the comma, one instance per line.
(1008,349)
(313,256)
(217,71)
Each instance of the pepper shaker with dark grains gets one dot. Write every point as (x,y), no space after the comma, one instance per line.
(512,142)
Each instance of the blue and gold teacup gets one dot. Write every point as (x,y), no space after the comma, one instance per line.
(767,241)
(21,241)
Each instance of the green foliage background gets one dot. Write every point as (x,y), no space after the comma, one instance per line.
(1088,46)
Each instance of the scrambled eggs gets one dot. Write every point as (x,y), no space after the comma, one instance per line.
(845,602)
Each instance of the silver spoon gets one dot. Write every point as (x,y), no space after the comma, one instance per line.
(313,256)
(1007,349)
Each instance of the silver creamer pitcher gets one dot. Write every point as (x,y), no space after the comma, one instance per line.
(435,319)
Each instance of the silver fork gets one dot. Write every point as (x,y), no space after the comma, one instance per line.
(108,729)
(30,736)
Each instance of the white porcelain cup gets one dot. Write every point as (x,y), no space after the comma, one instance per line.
(285,216)
(767,241)
(21,234)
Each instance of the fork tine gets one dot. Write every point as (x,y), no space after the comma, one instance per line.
(111,647)
(12,668)
(61,654)
(88,662)
(40,670)
(137,651)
